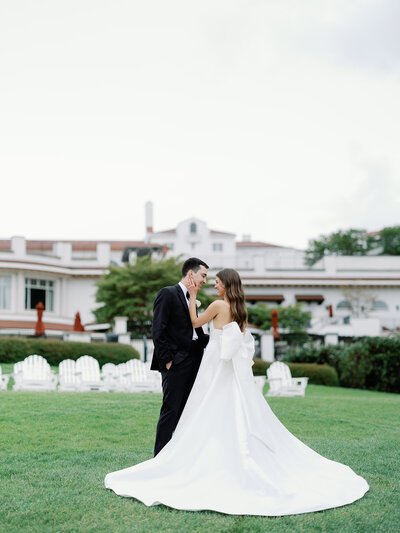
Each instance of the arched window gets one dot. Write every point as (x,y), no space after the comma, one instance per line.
(344,304)
(193,227)
(379,305)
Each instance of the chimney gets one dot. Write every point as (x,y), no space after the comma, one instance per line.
(149,217)
(246,238)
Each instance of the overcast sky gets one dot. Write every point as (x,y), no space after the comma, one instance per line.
(275,118)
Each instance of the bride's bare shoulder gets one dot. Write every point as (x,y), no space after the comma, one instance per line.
(221,304)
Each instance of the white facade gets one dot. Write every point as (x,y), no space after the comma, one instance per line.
(277,275)
(192,237)
(62,275)
(65,273)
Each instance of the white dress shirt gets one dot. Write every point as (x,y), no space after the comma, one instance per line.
(184,289)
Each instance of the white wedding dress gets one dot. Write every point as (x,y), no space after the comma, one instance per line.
(231,454)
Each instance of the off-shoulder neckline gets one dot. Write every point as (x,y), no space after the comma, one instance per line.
(226,325)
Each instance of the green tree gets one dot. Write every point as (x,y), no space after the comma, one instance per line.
(342,242)
(130,291)
(389,239)
(291,317)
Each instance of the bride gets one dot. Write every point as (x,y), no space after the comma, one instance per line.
(229,452)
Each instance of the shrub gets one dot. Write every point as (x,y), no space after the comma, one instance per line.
(370,363)
(373,363)
(13,350)
(317,374)
(309,353)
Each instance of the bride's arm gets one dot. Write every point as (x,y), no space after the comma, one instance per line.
(210,313)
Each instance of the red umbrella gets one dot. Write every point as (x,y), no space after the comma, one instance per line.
(274,324)
(78,324)
(39,326)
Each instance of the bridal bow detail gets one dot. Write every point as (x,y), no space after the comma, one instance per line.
(239,347)
(234,343)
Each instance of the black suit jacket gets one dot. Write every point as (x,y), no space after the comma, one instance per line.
(172,328)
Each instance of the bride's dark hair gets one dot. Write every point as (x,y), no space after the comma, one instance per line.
(235,295)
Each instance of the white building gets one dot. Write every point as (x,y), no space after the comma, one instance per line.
(278,274)
(63,275)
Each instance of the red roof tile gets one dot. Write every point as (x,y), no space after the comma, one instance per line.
(216,232)
(256,244)
(47,245)
(5,244)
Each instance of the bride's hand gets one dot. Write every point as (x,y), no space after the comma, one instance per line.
(192,287)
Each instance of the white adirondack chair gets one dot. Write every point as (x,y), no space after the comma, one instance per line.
(139,377)
(155,376)
(36,375)
(88,373)
(18,374)
(69,381)
(122,378)
(260,381)
(3,380)
(110,377)
(281,382)
(156,379)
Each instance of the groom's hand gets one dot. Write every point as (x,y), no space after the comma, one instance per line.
(168,365)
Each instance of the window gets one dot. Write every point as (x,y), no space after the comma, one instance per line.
(193,227)
(218,247)
(39,290)
(379,305)
(344,304)
(5,292)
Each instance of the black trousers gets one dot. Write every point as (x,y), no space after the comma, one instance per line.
(177,382)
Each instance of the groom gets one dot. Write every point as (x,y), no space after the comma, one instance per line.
(178,347)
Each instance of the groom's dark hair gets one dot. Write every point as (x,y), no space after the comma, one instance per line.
(193,263)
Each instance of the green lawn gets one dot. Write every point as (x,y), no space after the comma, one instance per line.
(55,449)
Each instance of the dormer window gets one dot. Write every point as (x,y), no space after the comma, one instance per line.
(193,228)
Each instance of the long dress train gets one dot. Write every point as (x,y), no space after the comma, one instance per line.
(231,454)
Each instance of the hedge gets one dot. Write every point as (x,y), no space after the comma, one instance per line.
(371,363)
(14,349)
(317,374)
(310,353)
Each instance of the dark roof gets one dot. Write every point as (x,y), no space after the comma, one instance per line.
(264,298)
(309,298)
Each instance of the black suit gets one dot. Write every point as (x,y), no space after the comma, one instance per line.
(172,336)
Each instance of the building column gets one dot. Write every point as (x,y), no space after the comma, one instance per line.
(267,347)
(14,289)
(62,297)
(20,292)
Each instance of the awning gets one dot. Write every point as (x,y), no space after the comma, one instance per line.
(310,298)
(265,298)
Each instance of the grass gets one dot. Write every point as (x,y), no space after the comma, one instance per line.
(55,449)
